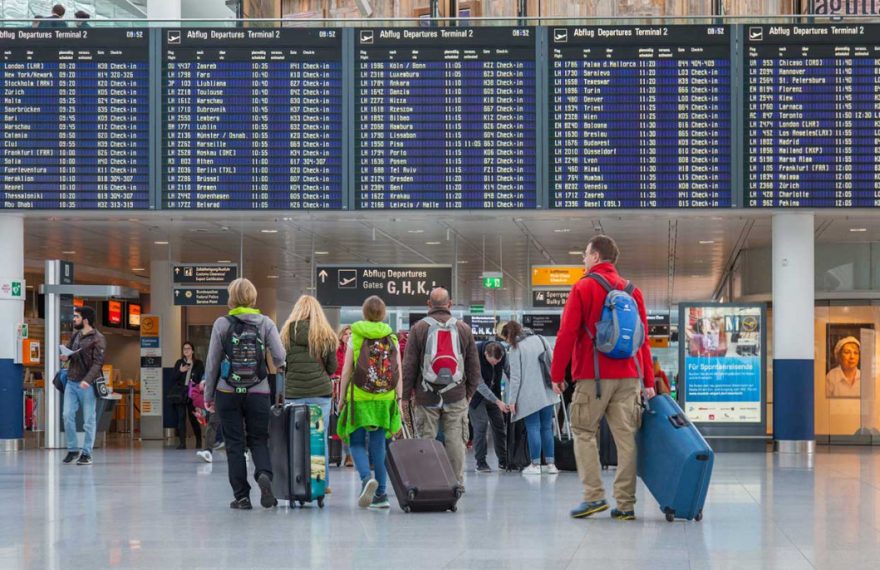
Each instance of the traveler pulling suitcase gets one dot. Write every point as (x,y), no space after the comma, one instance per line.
(422,476)
(607,447)
(675,462)
(296,445)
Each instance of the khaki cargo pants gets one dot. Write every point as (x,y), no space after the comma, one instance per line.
(453,418)
(620,405)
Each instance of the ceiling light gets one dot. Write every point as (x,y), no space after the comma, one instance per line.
(69,252)
(271,277)
(160,242)
(322,253)
(415,231)
(858,229)
(28,286)
(575,253)
(707,241)
(561,230)
(138,269)
(224,261)
(463,261)
(432,243)
(286,219)
(269,231)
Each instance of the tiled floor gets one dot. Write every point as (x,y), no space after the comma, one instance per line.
(159,508)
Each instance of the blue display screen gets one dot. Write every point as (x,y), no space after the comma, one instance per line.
(75,108)
(445,118)
(252,119)
(812,116)
(640,117)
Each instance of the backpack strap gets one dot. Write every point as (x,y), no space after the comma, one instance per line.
(630,288)
(234,325)
(601,280)
(607,286)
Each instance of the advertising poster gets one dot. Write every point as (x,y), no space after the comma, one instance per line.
(843,358)
(723,372)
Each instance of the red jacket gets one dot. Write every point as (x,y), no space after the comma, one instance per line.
(573,344)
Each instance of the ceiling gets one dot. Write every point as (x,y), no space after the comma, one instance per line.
(672,256)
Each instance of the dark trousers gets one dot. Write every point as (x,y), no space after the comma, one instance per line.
(244,419)
(184,410)
(482,416)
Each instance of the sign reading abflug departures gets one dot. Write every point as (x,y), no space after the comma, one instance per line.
(397,285)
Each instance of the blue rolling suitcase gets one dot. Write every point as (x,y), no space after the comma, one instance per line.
(675,462)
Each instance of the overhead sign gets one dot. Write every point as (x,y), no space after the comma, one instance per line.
(493,282)
(200,296)
(12,289)
(556,275)
(544,325)
(205,273)
(483,326)
(397,285)
(658,324)
(66,273)
(549,298)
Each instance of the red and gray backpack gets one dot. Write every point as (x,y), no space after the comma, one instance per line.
(443,364)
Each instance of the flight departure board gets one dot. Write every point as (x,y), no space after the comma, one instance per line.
(640,116)
(252,118)
(445,118)
(75,108)
(812,116)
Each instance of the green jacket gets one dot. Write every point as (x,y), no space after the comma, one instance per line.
(307,377)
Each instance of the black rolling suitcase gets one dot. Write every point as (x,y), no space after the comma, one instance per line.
(422,476)
(518,457)
(607,447)
(333,440)
(564,444)
(290,447)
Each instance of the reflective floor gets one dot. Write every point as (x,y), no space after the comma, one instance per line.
(160,508)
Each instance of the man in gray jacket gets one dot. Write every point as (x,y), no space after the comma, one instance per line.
(430,411)
(243,406)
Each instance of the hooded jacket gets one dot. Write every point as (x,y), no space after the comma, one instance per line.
(582,311)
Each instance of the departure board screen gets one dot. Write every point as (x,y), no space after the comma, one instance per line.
(252,118)
(445,118)
(75,108)
(640,117)
(812,116)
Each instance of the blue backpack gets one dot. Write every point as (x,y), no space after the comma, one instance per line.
(619,332)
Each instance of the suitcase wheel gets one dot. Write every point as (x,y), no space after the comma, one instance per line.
(453,508)
(301,504)
(321,502)
(407,509)
(411,495)
(699,516)
(458,493)
(670,517)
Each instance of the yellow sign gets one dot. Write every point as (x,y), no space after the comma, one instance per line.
(149,326)
(659,341)
(556,275)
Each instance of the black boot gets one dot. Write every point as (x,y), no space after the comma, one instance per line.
(182,444)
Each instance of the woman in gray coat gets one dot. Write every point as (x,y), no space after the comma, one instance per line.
(528,397)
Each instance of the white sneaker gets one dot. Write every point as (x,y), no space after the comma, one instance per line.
(206,456)
(549,470)
(532,470)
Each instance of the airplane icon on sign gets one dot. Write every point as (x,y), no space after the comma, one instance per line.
(347,279)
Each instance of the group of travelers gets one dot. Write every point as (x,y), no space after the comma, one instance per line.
(515,377)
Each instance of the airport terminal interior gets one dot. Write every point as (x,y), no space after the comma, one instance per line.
(156,151)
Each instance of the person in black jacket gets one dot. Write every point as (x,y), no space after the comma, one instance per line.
(187,370)
(487,406)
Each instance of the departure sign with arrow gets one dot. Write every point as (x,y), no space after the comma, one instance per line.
(205,273)
(397,285)
(200,296)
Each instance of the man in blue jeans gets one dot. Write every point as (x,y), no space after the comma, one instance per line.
(88,346)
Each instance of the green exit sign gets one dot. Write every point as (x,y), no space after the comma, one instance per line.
(493,282)
(478,309)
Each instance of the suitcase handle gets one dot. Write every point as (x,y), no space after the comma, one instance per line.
(679,421)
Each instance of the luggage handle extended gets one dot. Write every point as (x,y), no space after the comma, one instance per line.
(566,422)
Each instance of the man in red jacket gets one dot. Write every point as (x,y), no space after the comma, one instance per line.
(612,391)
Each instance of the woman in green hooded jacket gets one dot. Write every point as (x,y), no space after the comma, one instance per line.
(363,412)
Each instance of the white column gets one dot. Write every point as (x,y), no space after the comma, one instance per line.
(11,314)
(162,305)
(793,331)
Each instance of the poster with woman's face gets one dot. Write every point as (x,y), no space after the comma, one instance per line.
(843,359)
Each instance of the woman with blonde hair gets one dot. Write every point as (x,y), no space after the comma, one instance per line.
(237,388)
(311,344)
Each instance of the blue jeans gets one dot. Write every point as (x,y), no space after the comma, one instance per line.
(74,397)
(539,427)
(324,404)
(358,443)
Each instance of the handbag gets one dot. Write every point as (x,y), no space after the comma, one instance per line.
(102,390)
(196,395)
(545,361)
(60,379)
